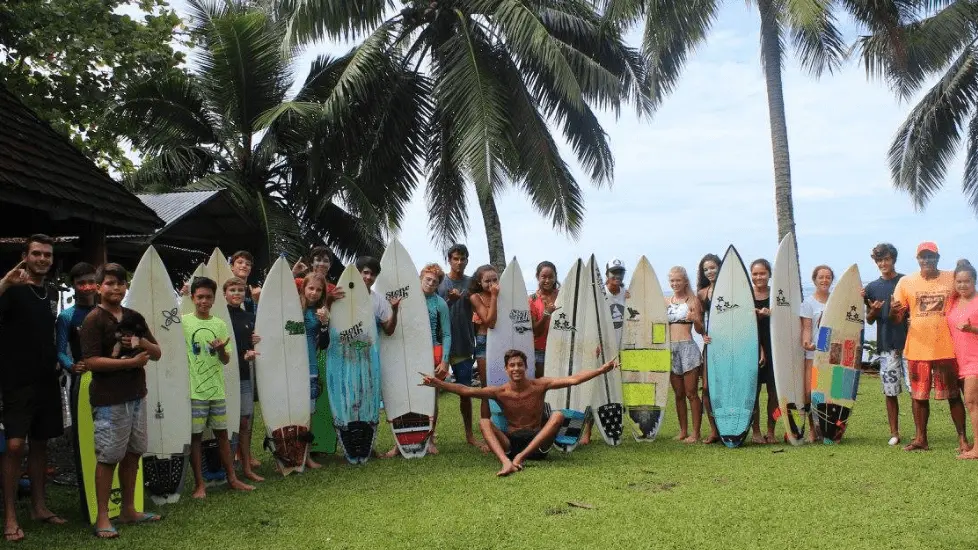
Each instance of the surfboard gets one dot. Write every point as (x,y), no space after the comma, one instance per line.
(85,456)
(838,357)
(788,357)
(213,471)
(733,350)
(513,330)
(353,368)
(606,390)
(410,408)
(187,301)
(167,381)
(570,349)
(282,369)
(646,358)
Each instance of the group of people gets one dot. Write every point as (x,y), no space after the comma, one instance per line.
(927,327)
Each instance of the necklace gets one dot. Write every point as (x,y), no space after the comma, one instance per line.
(36,295)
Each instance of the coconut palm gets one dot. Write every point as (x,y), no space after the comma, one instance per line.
(912,43)
(231,124)
(501,73)
(673,28)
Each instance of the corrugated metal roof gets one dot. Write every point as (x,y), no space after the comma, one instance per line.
(41,169)
(171,207)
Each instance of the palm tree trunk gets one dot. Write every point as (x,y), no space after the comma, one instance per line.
(494,230)
(771,57)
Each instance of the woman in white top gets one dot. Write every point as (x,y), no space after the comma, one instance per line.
(685,313)
(811,314)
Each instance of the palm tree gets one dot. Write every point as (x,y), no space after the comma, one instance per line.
(673,28)
(500,72)
(912,42)
(230,125)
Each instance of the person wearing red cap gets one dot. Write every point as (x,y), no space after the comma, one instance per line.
(925,297)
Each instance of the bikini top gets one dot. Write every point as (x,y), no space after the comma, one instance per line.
(678,313)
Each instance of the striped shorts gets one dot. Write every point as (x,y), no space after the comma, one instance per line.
(208,413)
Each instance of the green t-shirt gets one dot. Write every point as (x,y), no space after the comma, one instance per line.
(206,369)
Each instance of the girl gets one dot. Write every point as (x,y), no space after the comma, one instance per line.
(316,315)
(962,318)
(684,312)
(541,307)
(760,275)
(811,313)
(483,291)
(706,277)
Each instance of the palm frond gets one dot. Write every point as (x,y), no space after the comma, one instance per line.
(970,182)
(926,141)
(445,194)
(815,35)
(312,20)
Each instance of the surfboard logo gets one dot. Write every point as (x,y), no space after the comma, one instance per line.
(853,316)
(561,323)
(780,299)
(398,293)
(293,328)
(521,320)
(722,305)
(633,314)
(352,334)
(159,410)
(170,316)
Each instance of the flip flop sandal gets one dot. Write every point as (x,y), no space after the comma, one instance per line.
(146,517)
(50,520)
(105,532)
(8,534)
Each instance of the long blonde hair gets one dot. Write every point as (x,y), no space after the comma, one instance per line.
(309,278)
(680,270)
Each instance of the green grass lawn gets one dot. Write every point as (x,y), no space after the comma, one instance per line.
(860,494)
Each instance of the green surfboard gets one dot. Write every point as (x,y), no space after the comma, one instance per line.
(324,434)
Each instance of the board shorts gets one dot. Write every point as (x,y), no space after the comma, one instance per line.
(33,411)
(685,357)
(480,346)
(120,429)
(893,370)
(539,356)
(247,398)
(942,375)
(208,413)
(462,370)
(765,377)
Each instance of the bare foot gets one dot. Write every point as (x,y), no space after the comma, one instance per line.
(252,475)
(757,438)
(968,455)
(255,463)
(690,439)
(312,464)
(964,446)
(199,492)
(47,516)
(585,439)
(712,438)
(769,438)
(508,468)
(432,450)
(681,437)
(389,454)
(239,485)
(915,446)
(481,445)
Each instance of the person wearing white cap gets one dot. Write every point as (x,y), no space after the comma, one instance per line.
(614,276)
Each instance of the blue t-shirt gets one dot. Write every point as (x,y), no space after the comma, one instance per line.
(68,324)
(438,317)
(890,336)
(313,325)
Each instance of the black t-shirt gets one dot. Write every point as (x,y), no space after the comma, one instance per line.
(243,326)
(101,336)
(889,335)
(764,329)
(460,316)
(27,316)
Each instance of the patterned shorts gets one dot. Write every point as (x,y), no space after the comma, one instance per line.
(685,357)
(120,429)
(942,375)
(893,371)
(208,413)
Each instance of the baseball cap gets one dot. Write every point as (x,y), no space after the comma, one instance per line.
(615,265)
(927,246)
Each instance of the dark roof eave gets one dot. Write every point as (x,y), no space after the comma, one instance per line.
(75,210)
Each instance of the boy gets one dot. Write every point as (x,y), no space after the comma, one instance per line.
(241,264)
(243,325)
(384,310)
(82,278)
(116,344)
(207,342)
(531,431)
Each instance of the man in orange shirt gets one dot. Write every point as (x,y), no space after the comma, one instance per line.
(925,296)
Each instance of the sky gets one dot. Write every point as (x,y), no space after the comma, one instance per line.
(698,176)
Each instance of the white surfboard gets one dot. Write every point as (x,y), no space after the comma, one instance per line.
(187,301)
(838,357)
(353,368)
(167,381)
(410,408)
(570,351)
(606,390)
(513,330)
(646,358)
(788,357)
(223,272)
(282,369)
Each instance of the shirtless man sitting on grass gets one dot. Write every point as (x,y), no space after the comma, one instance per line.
(530,432)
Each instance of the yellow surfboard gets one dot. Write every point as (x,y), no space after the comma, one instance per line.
(85,458)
